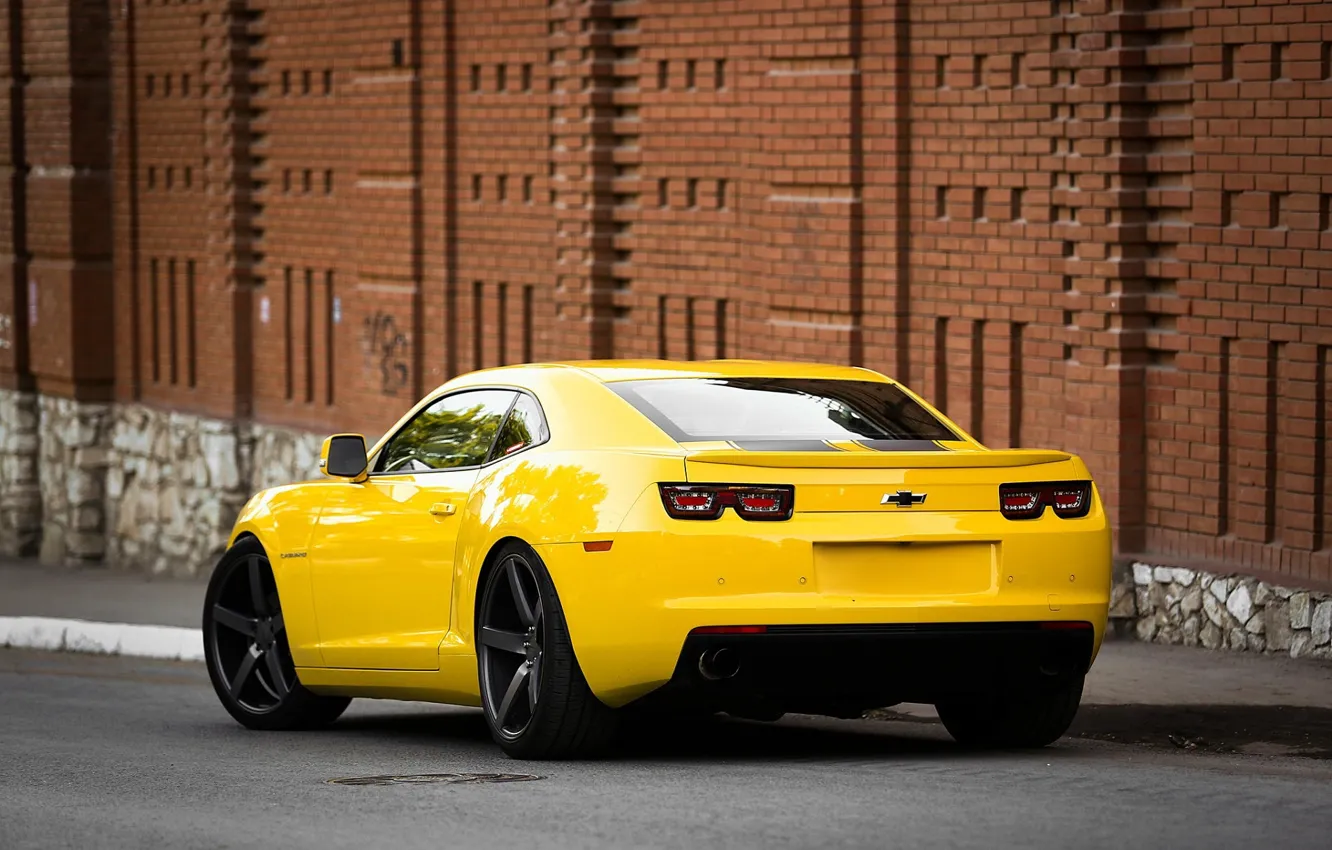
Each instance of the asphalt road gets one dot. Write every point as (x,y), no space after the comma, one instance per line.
(104,752)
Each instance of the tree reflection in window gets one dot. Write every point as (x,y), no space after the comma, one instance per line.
(525,427)
(456,431)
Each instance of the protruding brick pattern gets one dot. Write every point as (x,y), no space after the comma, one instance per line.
(15,371)
(67,200)
(187,223)
(1240,288)
(1103,225)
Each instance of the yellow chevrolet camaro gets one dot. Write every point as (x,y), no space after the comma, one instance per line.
(569,545)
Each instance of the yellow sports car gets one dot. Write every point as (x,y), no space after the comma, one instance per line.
(567,545)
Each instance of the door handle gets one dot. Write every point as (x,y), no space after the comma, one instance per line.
(443,509)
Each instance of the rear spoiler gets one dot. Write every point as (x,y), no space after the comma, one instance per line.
(971,459)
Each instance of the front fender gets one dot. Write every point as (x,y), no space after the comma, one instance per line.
(283,520)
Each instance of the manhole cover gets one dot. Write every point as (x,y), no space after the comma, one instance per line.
(435,779)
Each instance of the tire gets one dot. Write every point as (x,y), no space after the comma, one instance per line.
(1022,716)
(245,648)
(523,641)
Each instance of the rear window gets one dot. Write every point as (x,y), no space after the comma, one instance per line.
(781,409)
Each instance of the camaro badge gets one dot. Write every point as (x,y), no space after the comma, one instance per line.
(903,499)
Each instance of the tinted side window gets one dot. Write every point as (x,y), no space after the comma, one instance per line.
(525,427)
(456,431)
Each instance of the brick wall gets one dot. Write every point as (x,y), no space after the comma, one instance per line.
(1102,225)
(56,239)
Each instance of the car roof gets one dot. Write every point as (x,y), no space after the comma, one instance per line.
(531,375)
(554,375)
(610,371)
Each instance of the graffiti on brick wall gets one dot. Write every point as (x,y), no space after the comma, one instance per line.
(389,349)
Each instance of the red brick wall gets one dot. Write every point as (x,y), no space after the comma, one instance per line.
(1241,303)
(55,293)
(1094,224)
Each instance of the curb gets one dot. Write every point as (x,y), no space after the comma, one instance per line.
(60,635)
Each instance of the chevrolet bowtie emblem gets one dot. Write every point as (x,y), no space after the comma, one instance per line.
(903,499)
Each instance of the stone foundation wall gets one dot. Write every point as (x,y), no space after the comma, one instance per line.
(133,486)
(20,493)
(281,456)
(1194,608)
(74,454)
(177,481)
(174,488)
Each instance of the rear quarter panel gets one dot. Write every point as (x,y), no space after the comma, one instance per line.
(601,456)
(559,498)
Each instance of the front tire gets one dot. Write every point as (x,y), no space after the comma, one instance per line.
(536,701)
(1029,715)
(246,650)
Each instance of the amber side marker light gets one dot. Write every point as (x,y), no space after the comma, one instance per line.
(597,546)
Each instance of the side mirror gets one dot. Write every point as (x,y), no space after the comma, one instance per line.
(343,456)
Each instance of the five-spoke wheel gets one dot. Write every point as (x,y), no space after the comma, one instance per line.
(511,637)
(245,645)
(536,701)
(250,644)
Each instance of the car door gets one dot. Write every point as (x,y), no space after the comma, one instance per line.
(382,550)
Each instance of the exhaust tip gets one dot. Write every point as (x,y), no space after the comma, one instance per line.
(717,664)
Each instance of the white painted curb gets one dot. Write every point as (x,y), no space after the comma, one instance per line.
(61,635)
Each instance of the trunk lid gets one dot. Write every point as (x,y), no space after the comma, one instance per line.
(883,481)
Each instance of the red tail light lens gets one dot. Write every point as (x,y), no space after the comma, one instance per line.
(1069,499)
(708,501)
(764,502)
(691,502)
(1072,501)
(1020,504)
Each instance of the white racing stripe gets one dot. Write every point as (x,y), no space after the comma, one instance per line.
(63,635)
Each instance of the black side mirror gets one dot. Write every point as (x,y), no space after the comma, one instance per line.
(343,456)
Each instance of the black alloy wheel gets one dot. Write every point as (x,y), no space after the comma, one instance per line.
(245,646)
(511,637)
(537,703)
(249,640)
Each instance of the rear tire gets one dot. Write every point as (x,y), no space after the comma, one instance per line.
(245,648)
(536,701)
(1029,715)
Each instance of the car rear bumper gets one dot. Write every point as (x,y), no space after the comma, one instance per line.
(845,669)
(631,610)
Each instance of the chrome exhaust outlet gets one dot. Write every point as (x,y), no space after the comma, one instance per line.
(716,664)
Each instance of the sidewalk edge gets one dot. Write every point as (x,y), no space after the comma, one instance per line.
(66,635)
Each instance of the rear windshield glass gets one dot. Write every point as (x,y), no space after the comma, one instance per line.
(759,409)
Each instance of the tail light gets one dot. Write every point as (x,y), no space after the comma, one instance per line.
(1020,502)
(708,501)
(1069,499)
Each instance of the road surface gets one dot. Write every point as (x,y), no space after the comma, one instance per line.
(122,753)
